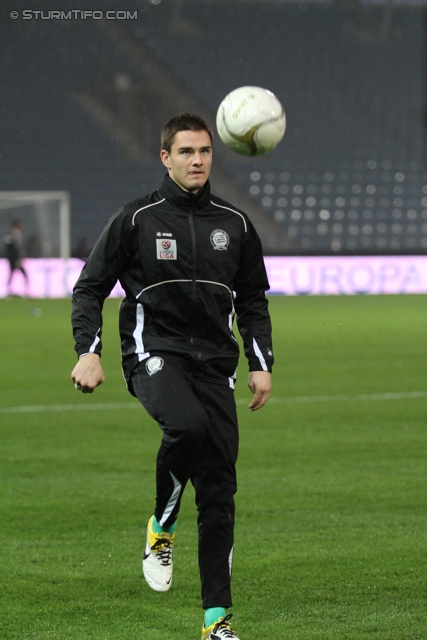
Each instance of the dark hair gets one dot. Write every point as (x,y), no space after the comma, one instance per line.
(182,122)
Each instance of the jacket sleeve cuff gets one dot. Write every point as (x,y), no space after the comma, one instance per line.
(86,352)
(256,366)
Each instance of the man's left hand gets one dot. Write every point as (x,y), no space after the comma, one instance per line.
(259,382)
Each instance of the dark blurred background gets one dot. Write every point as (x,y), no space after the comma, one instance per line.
(82,103)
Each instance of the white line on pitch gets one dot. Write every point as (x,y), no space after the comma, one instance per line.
(70,407)
(367,397)
(404,395)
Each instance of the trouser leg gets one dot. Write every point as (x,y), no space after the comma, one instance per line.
(200,441)
(215,484)
(169,397)
(24,273)
(11,269)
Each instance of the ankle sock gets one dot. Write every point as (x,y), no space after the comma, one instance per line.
(213,614)
(157,528)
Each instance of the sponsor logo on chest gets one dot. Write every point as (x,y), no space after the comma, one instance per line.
(166,249)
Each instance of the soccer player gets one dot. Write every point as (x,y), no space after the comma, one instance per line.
(14,252)
(188,262)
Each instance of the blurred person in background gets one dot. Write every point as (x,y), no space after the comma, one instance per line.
(14,253)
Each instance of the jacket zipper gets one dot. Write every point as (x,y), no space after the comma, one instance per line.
(193,248)
(194,256)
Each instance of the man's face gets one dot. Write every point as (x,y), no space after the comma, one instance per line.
(190,159)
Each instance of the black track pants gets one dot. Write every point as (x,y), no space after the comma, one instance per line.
(200,443)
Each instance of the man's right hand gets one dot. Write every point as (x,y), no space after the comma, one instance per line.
(88,373)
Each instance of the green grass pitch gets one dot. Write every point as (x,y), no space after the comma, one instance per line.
(331,529)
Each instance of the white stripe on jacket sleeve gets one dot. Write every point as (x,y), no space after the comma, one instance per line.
(259,355)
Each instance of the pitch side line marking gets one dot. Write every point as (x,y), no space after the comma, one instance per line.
(405,395)
(70,407)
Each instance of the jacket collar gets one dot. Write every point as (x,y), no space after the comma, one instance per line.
(182,199)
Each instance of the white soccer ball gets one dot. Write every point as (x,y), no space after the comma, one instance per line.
(251,121)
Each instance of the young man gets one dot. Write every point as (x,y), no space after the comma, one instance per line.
(188,262)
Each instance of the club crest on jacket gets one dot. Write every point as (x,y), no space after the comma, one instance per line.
(220,240)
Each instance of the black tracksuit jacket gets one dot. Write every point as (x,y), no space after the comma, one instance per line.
(188,263)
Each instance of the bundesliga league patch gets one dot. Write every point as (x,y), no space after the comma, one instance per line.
(219,240)
(166,249)
(154,364)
